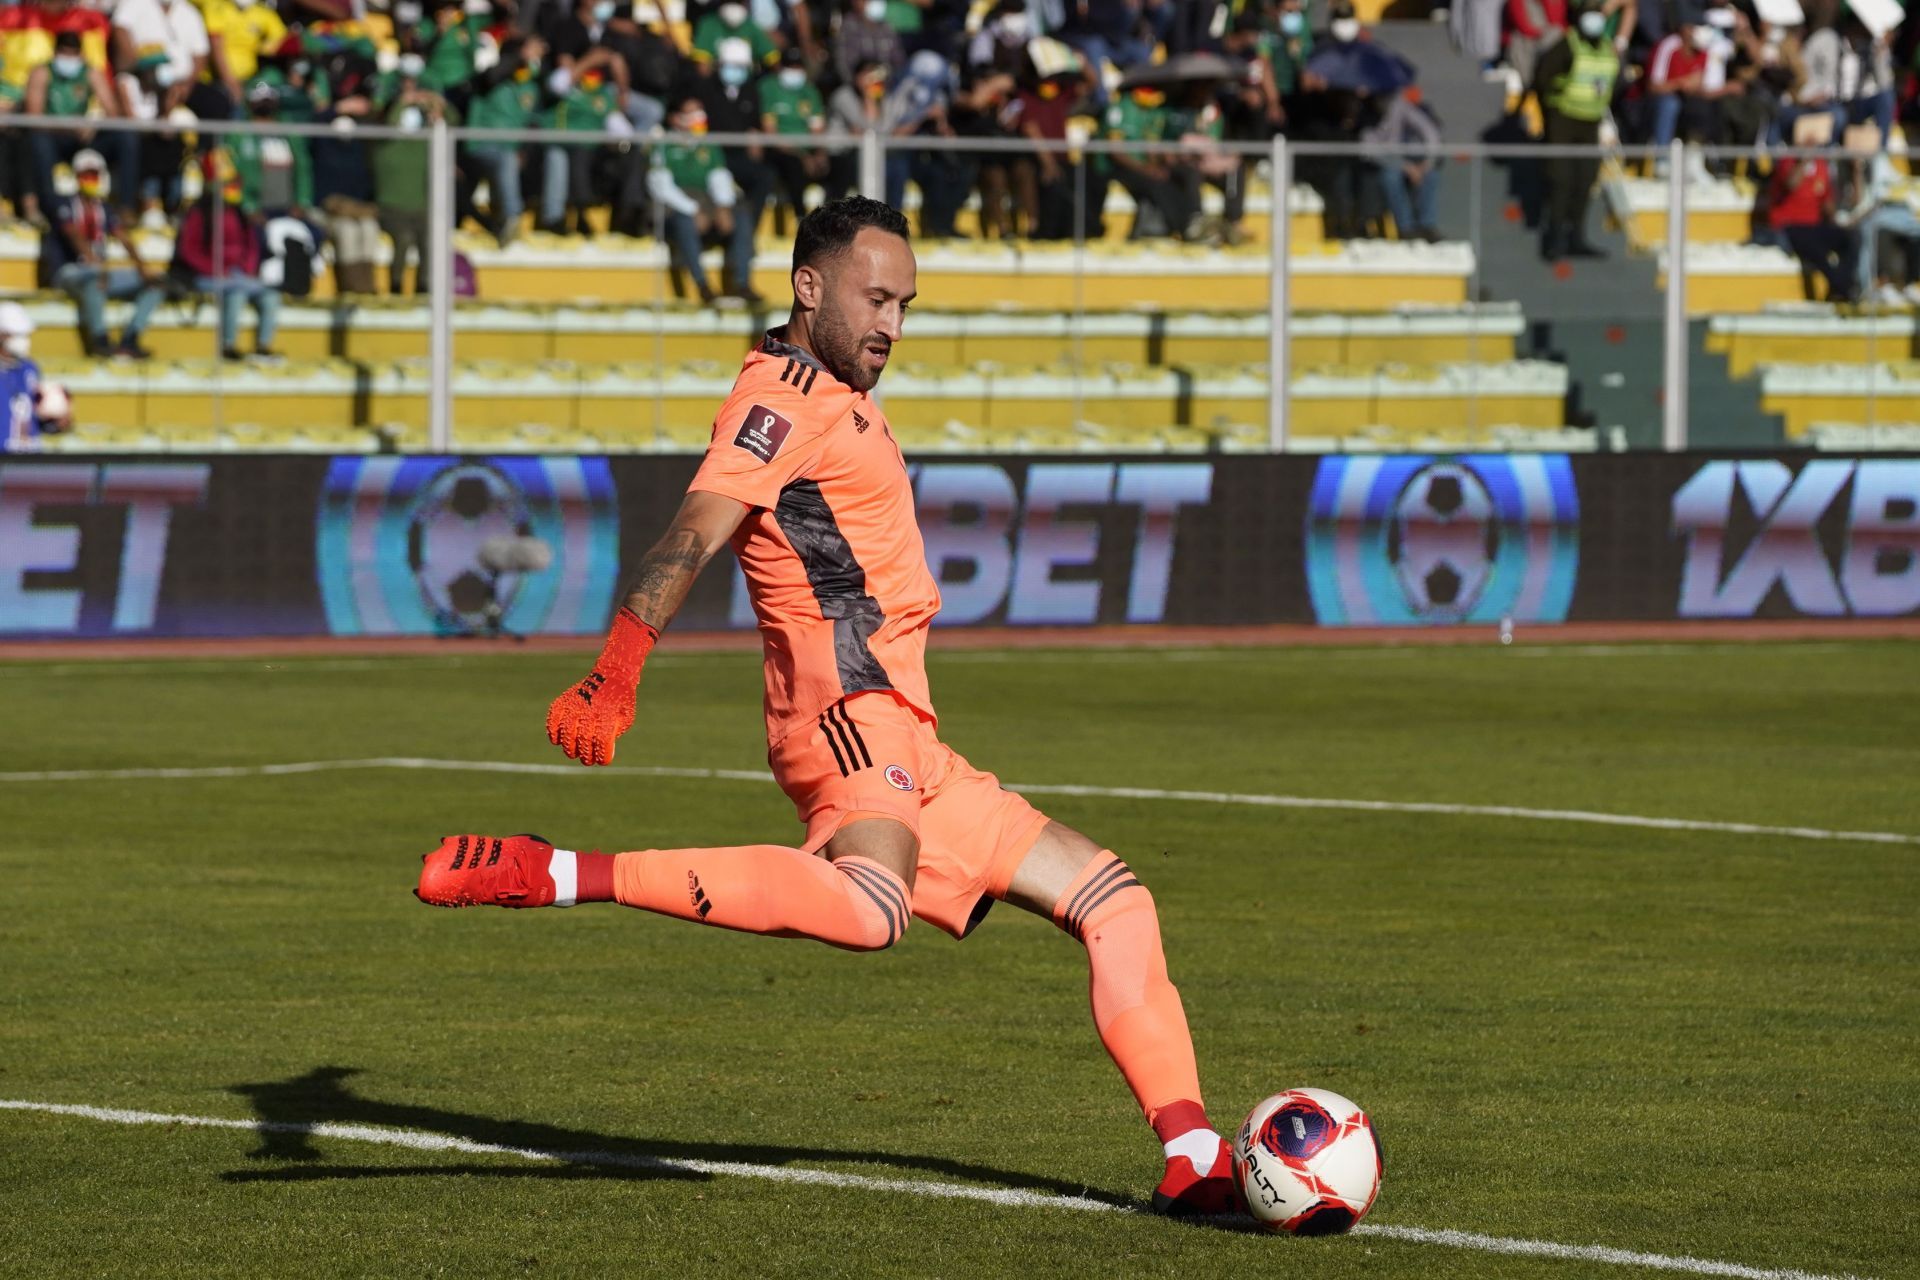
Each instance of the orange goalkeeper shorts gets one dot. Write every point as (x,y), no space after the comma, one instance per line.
(871,756)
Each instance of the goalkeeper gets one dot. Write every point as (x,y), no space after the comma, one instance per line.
(804,479)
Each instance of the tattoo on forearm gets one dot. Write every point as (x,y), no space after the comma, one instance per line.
(665,576)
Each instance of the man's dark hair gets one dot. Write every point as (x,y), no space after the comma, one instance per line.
(828,231)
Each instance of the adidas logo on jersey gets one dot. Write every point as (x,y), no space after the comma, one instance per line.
(859,423)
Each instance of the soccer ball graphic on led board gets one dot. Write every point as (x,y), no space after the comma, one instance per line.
(460,510)
(1443,540)
(1308,1162)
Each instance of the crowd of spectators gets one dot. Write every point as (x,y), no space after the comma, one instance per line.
(1806,97)
(587,84)
(596,79)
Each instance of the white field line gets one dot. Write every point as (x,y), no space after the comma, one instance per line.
(1009,1197)
(1254,799)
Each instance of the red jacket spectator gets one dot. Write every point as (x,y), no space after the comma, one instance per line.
(1674,58)
(1801,191)
(239,245)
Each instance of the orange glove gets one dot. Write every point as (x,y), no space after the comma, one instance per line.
(585,720)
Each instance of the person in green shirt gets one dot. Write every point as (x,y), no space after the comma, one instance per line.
(507,97)
(451,46)
(792,109)
(691,182)
(400,178)
(301,87)
(1140,115)
(731,21)
(276,171)
(67,86)
(1287,45)
(586,101)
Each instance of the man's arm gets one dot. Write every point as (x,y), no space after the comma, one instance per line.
(704,524)
(586,720)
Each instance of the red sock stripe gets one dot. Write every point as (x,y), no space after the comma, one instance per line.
(594,872)
(1176,1118)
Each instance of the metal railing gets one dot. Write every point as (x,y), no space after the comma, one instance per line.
(1552,303)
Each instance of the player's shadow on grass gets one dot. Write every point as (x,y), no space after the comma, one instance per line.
(290,1110)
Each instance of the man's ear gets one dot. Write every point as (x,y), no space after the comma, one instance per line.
(807,287)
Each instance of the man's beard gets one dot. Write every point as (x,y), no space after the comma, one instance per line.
(839,348)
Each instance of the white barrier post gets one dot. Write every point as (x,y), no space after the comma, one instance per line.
(873,166)
(1280,236)
(438,262)
(1673,415)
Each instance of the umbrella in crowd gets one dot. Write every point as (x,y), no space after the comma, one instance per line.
(1182,68)
(1362,66)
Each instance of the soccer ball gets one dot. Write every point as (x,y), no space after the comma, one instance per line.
(457,512)
(1443,540)
(54,404)
(1308,1162)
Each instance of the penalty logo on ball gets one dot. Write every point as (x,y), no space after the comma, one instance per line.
(436,546)
(1420,540)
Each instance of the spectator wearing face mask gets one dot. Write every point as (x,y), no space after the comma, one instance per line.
(400,175)
(73,256)
(793,112)
(29,413)
(176,27)
(732,107)
(865,39)
(691,183)
(1001,43)
(732,21)
(508,97)
(66,86)
(1686,77)
(1574,81)
(218,249)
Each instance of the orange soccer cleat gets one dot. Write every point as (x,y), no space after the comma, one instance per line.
(1185,1192)
(496,871)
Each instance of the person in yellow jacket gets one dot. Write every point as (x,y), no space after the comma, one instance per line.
(1574,80)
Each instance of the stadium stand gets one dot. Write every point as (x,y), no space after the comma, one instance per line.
(573,315)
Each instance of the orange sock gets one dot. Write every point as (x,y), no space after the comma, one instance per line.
(1135,1007)
(764,888)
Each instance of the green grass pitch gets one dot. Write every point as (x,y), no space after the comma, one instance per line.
(1687,1043)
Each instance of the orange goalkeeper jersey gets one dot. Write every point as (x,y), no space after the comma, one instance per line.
(831,550)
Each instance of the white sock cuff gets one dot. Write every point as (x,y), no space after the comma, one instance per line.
(565,870)
(1199,1146)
